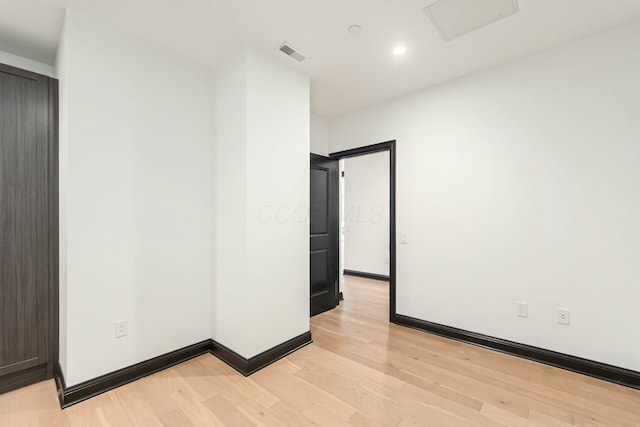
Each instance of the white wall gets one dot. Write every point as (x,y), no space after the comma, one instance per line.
(521,183)
(261,294)
(366,215)
(230,290)
(137,134)
(319,135)
(26,64)
(278,176)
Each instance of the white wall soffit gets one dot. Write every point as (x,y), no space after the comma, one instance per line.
(455,18)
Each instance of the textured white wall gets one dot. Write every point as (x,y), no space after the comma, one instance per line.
(139,199)
(230,288)
(319,135)
(261,293)
(366,215)
(521,183)
(278,178)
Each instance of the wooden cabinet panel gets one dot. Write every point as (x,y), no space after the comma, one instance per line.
(28,226)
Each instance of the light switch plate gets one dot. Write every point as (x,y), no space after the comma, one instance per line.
(121,328)
(522,309)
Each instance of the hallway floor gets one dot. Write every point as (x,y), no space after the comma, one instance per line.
(360,371)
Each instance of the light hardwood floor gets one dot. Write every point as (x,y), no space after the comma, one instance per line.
(360,370)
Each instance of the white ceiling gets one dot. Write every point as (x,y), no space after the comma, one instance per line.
(347,71)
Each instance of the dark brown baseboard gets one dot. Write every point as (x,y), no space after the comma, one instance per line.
(365,275)
(253,364)
(77,393)
(591,368)
(71,395)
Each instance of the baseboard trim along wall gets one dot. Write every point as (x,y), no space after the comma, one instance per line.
(71,395)
(248,366)
(591,368)
(75,394)
(366,275)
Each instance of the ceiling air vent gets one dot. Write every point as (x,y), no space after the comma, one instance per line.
(289,51)
(455,18)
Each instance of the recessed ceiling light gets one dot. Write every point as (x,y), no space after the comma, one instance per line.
(399,50)
(355,29)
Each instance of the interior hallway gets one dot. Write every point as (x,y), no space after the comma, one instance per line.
(360,370)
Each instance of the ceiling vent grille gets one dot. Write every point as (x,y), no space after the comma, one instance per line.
(289,51)
(455,18)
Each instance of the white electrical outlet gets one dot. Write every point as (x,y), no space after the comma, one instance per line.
(121,328)
(522,309)
(563,316)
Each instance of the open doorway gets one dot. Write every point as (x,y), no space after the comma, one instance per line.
(364,251)
(364,218)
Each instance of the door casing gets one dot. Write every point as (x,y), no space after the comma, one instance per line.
(389,146)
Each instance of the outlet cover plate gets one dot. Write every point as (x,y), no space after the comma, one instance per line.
(563,316)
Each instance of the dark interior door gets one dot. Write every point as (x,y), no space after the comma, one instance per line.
(28,228)
(324,234)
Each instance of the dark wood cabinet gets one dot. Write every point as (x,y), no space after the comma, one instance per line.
(28,227)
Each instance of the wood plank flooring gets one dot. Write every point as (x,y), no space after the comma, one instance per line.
(360,371)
